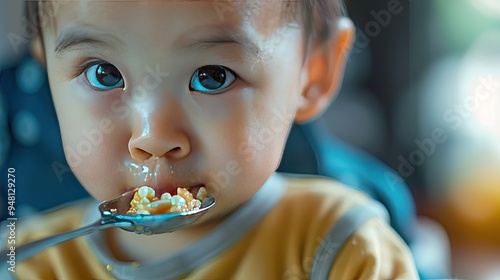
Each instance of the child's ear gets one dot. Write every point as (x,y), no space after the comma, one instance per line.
(37,51)
(325,69)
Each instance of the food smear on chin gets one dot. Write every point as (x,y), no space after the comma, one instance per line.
(145,201)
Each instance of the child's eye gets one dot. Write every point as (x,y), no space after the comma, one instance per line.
(104,76)
(211,79)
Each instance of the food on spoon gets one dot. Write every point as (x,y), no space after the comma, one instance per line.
(145,201)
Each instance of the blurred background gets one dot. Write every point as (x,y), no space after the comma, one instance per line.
(425,98)
(421,94)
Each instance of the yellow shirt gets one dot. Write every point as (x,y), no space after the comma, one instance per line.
(295,227)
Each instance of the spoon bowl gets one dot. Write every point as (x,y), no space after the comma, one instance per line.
(115,209)
(113,214)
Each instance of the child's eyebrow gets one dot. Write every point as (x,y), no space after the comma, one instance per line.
(222,37)
(74,36)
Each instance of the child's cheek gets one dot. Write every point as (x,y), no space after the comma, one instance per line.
(93,138)
(95,157)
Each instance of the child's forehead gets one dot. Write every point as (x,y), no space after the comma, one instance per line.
(264,14)
(172,19)
(165,27)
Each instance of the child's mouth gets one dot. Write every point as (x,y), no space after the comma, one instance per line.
(148,200)
(172,189)
(161,176)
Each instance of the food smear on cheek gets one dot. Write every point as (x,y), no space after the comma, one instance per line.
(145,201)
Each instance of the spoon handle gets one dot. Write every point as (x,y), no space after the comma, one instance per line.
(25,251)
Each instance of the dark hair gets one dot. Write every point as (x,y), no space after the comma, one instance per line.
(318,16)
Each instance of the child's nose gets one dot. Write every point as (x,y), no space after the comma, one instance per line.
(173,146)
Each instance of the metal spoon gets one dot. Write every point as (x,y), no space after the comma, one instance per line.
(113,215)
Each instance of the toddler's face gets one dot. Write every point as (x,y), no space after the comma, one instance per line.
(174,94)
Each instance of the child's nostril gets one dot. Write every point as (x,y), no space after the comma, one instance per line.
(140,154)
(177,152)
